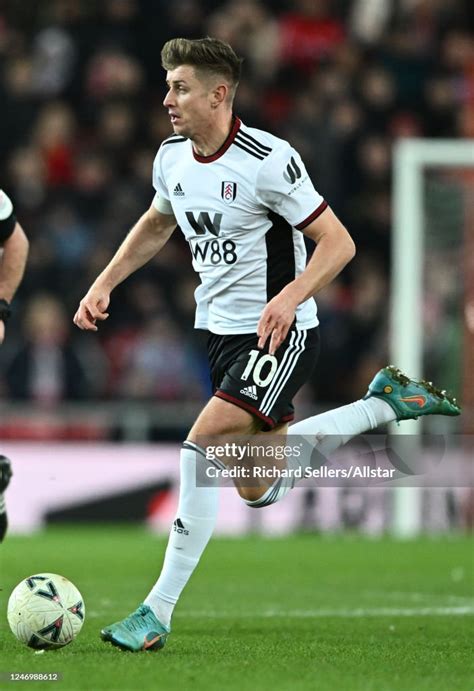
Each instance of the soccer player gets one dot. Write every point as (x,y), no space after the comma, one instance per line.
(13,255)
(243,200)
(5,476)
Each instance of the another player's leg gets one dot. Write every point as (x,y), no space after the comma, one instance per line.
(5,475)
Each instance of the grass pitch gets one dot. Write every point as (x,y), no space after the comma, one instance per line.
(305,612)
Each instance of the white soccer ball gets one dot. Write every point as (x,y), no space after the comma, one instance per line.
(46,611)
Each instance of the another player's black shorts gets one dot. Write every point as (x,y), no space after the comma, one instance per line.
(256,381)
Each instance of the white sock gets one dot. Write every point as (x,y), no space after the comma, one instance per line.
(276,492)
(326,433)
(190,533)
(347,421)
(336,427)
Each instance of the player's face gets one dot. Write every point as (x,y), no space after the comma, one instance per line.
(188,101)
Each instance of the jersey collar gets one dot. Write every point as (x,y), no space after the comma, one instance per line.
(222,149)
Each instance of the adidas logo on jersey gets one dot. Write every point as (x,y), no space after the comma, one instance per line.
(178,191)
(250,391)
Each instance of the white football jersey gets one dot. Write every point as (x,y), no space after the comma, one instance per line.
(241,211)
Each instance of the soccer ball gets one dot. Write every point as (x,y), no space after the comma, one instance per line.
(46,611)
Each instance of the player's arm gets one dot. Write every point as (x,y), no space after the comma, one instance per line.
(143,242)
(334,249)
(13,256)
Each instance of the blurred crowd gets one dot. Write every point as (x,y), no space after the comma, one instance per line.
(81,89)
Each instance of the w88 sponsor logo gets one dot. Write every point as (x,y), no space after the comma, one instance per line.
(214,252)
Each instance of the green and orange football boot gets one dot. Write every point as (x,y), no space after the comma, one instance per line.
(408,398)
(141,630)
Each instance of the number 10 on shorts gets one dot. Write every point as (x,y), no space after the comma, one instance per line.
(255,366)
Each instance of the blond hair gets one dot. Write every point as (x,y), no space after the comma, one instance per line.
(208,56)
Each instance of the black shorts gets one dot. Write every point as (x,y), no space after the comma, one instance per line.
(258,382)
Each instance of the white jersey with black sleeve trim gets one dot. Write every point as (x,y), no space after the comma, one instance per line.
(242,211)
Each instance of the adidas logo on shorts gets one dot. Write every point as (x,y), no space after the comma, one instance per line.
(250,391)
(178,191)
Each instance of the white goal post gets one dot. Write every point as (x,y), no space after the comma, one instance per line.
(411,157)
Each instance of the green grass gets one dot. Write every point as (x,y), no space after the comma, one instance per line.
(342,613)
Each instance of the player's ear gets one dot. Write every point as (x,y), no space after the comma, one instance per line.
(219,95)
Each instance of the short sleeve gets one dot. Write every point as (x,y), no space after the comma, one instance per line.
(284,186)
(7,217)
(158,181)
(162,205)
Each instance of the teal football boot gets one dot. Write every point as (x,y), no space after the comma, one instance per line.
(408,398)
(141,630)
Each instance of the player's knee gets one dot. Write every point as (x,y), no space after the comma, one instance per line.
(257,498)
(251,494)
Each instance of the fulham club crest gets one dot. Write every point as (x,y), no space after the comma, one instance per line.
(228,191)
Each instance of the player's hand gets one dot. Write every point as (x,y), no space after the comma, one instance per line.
(92,308)
(2,331)
(276,320)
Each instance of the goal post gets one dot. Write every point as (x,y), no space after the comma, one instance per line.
(411,158)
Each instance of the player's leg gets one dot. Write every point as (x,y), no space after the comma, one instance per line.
(392,396)
(148,627)
(265,385)
(5,475)
(198,502)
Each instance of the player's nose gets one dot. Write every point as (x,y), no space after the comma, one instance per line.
(168,101)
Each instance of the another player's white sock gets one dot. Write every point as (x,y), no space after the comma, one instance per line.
(327,432)
(190,533)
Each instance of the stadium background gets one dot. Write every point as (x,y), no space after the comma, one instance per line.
(81,87)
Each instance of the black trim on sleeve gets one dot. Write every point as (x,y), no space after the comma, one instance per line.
(7,226)
(317,212)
